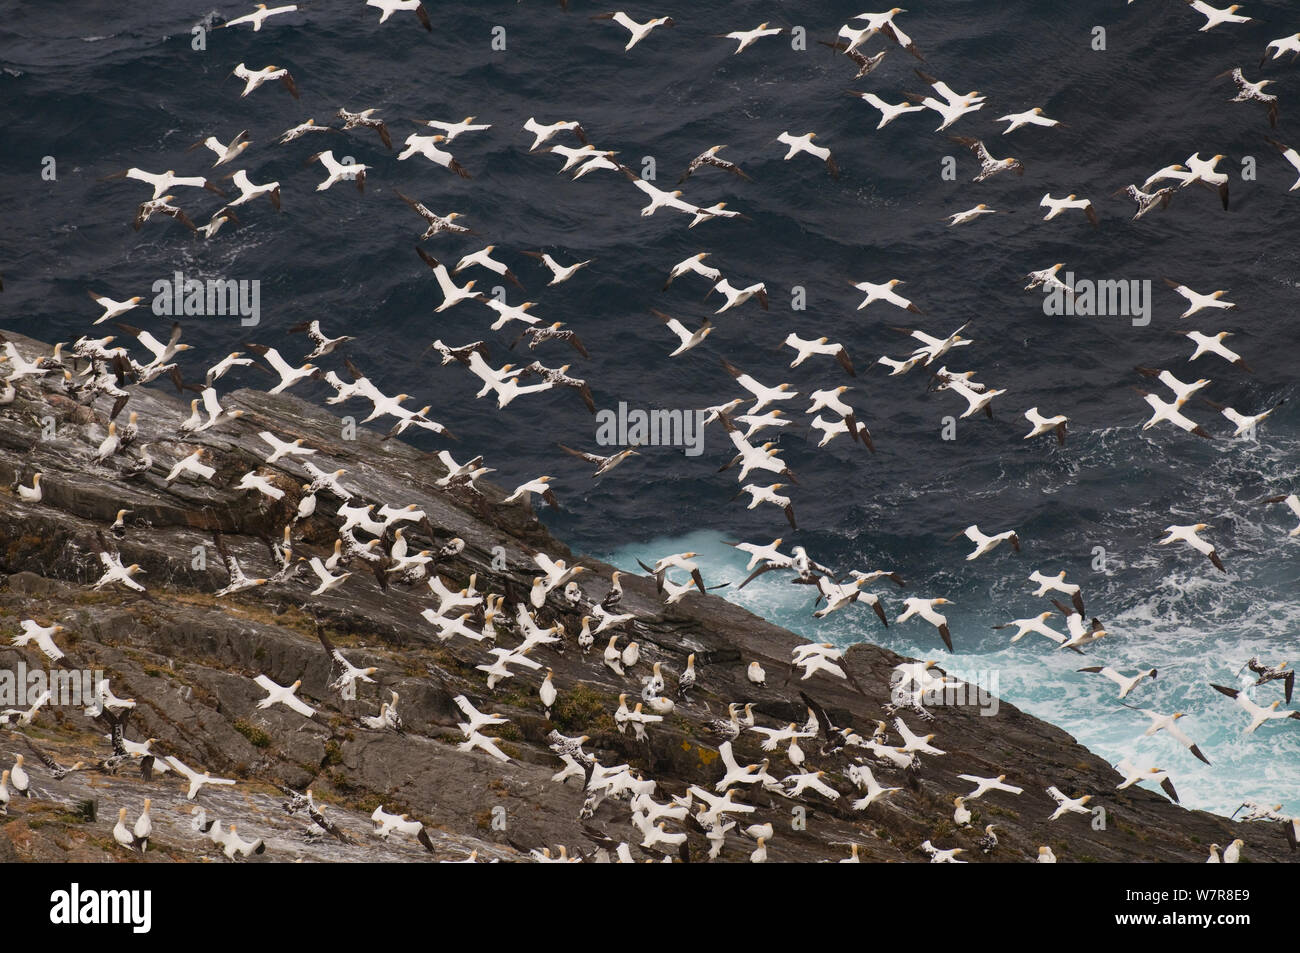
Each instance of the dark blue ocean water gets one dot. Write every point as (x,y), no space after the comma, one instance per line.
(100,87)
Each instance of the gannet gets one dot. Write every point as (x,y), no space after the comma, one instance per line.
(1271,674)
(19,777)
(925,609)
(1132,775)
(544,133)
(289,375)
(804,143)
(688,339)
(1068,805)
(984,543)
(1056,207)
(224,152)
(196,780)
(745,38)
(1033,117)
(1045,425)
(639,31)
(768,494)
(1187,534)
(427,146)
(807,348)
(963,218)
(1198,302)
(1280,47)
(117,574)
(540,486)
(1146,201)
(763,395)
(255,78)
(938,856)
(235,845)
(483,258)
(1183,392)
(559,273)
(1127,683)
(984,785)
(738,296)
(248,191)
(961,813)
(1164,411)
(1244,423)
(300,130)
(283,695)
(1258,714)
(1213,344)
(112,309)
(1232,853)
(1248,91)
(1293,502)
(161,206)
(1214,16)
(756,675)
(989,166)
(327,581)
(43,636)
(1045,856)
(389,7)
(163,182)
(339,172)
(710,157)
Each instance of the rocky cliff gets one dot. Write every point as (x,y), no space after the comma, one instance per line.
(188,658)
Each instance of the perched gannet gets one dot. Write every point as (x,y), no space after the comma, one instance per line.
(1232,853)
(888,111)
(989,166)
(1187,534)
(756,675)
(804,143)
(1258,715)
(961,813)
(1057,207)
(984,543)
(43,636)
(248,191)
(389,7)
(639,31)
(255,78)
(339,171)
(1214,16)
(234,845)
(1127,683)
(19,777)
(1045,856)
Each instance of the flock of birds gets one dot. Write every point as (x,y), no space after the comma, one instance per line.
(395,544)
